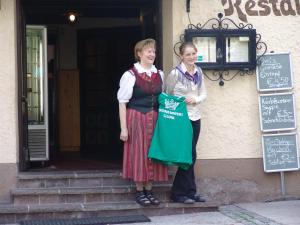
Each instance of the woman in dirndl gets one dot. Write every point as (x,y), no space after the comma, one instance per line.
(138,105)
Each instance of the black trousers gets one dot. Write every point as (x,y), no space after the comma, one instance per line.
(184,182)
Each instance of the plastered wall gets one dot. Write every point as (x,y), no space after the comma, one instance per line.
(230,122)
(8,83)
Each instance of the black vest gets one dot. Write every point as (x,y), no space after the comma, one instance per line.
(145,91)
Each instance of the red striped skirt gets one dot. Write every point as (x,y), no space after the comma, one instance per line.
(136,165)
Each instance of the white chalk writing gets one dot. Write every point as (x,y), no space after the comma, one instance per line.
(277,111)
(280,151)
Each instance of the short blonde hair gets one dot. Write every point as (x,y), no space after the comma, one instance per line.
(139,46)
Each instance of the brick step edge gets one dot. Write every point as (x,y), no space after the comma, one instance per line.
(14,214)
(85,190)
(68,174)
(73,174)
(79,207)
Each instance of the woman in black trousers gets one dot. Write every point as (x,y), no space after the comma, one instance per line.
(186,80)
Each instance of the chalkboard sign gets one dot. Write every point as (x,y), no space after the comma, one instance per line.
(274,72)
(277,112)
(280,152)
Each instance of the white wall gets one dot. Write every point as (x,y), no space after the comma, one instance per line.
(230,124)
(8,83)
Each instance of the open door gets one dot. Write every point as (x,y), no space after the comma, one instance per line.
(37,93)
(104,55)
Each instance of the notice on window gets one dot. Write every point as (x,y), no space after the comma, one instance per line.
(237,49)
(206,47)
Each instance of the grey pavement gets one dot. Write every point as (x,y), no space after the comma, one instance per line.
(258,213)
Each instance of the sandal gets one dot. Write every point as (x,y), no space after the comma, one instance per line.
(141,199)
(152,198)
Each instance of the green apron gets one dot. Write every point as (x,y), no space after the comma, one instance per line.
(172,139)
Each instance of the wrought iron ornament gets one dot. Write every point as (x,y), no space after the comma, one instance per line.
(219,23)
(222,23)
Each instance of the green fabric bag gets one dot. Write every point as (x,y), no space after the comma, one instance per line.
(172,139)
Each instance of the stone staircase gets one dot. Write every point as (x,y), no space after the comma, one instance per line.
(82,194)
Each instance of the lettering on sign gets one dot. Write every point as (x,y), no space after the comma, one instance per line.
(170,114)
(280,152)
(261,8)
(274,72)
(277,112)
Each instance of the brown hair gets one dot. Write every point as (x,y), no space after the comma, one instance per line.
(184,45)
(142,44)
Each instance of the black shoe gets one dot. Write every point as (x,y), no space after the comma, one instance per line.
(183,199)
(198,198)
(154,200)
(141,199)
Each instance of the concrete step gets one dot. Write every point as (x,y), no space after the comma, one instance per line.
(74,179)
(10,213)
(111,194)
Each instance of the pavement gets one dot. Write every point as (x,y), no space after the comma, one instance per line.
(285,212)
(258,213)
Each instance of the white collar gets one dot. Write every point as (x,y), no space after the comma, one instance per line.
(184,69)
(141,69)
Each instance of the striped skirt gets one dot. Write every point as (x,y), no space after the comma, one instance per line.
(136,165)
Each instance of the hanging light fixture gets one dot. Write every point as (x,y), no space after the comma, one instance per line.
(72,16)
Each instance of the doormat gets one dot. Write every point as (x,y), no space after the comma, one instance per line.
(90,221)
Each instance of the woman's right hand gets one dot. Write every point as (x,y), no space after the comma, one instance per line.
(124,135)
(190,100)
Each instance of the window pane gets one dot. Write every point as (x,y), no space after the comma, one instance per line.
(237,49)
(35,77)
(206,47)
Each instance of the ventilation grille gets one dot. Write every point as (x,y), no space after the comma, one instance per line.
(37,144)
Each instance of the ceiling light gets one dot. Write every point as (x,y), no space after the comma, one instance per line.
(72,17)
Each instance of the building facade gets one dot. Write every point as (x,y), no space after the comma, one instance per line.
(229,164)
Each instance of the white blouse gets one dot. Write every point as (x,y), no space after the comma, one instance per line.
(180,90)
(127,82)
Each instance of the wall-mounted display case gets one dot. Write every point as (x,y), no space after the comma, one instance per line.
(220,49)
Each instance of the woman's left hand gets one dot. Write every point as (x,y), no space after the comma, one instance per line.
(189,100)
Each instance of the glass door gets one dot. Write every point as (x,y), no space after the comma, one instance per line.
(37,93)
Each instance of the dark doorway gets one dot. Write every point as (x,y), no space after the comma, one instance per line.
(104,54)
(104,37)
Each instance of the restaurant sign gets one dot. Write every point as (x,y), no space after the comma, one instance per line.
(246,8)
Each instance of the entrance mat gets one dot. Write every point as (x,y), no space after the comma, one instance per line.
(90,221)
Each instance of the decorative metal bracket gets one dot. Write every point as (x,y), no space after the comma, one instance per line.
(220,24)
(224,75)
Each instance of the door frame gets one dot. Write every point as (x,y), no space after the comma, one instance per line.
(24,162)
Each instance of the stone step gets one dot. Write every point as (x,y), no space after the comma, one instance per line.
(74,179)
(112,194)
(70,179)
(10,213)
